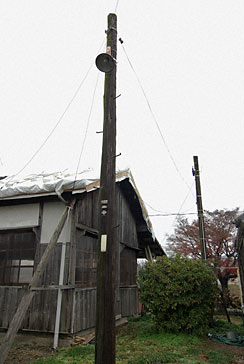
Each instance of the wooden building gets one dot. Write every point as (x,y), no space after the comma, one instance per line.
(29,213)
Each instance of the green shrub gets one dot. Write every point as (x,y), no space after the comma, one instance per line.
(179,293)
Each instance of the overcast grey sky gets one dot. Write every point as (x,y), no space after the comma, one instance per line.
(189,58)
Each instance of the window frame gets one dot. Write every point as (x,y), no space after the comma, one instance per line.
(14,265)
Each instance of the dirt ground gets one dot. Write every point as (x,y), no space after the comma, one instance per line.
(26,353)
(28,347)
(235,350)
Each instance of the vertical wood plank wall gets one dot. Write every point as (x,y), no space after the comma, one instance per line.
(42,311)
(81,299)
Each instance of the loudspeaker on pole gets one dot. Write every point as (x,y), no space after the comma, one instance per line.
(105,62)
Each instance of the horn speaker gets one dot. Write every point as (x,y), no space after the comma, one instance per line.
(105,62)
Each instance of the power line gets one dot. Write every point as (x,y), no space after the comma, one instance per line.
(56,125)
(116,7)
(178,214)
(146,203)
(59,120)
(87,126)
(154,117)
(174,214)
(161,213)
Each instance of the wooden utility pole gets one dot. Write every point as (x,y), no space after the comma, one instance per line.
(196,173)
(105,308)
(30,292)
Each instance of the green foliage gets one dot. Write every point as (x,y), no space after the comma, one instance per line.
(221,327)
(140,343)
(154,357)
(179,293)
(218,358)
(76,355)
(48,360)
(80,351)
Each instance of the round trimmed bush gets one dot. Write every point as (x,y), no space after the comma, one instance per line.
(179,293)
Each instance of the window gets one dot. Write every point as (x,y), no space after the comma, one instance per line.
(17,253)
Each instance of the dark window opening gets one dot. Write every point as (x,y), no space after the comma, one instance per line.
(17,253)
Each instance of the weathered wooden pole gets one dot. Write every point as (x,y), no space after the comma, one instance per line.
(105,307)
(196,173)
(30,292)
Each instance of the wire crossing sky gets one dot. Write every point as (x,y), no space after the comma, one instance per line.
(189,59)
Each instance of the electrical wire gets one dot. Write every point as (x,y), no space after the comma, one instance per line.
(154,117)
(178,214)
(87,126)
(161,213)
(59,120)
(116,7)
(152,208)
(174,214)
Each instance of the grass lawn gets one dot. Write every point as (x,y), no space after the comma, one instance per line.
(138,343)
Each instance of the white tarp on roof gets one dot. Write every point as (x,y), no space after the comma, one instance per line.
(58,182)
(44,183)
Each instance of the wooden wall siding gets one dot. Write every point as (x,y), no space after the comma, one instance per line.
(85,309)
(9,300)
(87,214)
(87,209)
(86,260)
(126,222)
(128,267)
(129,301)
(42,311)
(66,311)
(85,306)
(86,249)
(51,273)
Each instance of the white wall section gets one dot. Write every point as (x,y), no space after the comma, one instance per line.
(19,216)
(52,212)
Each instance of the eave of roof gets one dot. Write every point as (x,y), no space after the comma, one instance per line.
(57,183)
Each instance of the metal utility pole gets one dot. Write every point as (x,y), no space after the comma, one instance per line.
(196,173)
(105,307)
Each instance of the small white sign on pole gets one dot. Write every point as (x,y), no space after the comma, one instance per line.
(103,243)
